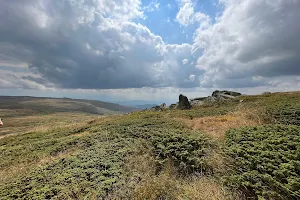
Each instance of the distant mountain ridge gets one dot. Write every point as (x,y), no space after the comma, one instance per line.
(53,105)
(140,104)
(144,106)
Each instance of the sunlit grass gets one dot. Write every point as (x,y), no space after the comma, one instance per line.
(172,154)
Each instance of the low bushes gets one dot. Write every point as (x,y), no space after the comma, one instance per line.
(98,169)
(285,113)
(266,161)
(187,152)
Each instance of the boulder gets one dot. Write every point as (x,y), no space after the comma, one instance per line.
(211,99)
(226,94)
(163,106)
(184,102)
(159,108)
(156,108)
(173,106)
(196,102)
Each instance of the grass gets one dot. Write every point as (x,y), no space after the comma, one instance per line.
(23,105)
(173,154)
(18,125)
(98,169)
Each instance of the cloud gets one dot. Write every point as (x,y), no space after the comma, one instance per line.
(169,6)
(93,45)
(250,39)
(187,16)
(100,45)
(152,6)
(185,61)
(12,81)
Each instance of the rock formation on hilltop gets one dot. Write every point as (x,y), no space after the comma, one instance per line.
(217,96)
(226,94)
(173,106)
(159,108)
(184,102)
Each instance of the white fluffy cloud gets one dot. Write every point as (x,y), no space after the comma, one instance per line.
(99,45)
(251,38)
(187,16)
(153,6)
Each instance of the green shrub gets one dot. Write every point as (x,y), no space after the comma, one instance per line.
(98,169)
(186,151)
(285,113)
(266,161)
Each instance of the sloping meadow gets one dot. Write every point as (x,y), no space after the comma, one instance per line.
(155,155)
(99,168)
(265,159)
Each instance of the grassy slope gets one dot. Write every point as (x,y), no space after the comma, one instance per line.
(41,105)
(172,154)
(24,114)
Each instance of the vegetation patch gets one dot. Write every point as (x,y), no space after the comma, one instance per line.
(188,152)
(93,172)
(266,160)
(156,155)
(99,168)
(285,113)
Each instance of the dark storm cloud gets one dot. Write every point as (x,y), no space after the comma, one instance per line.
(97,45)
(76,45)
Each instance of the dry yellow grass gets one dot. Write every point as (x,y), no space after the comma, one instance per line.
(167,185)
(202,188)
(163,186)
(216,126)
(145,183)
(44,123)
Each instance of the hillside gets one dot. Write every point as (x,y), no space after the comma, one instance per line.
(43,105)
(247,149)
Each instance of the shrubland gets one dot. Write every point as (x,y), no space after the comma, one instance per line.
(229,150)
(266,161)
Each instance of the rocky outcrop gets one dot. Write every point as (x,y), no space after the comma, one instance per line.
(225,93)
(173,106)
(217,96)
(159,108)
(183,102)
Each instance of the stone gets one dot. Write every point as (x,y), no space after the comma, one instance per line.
(184,102)
(196,102)
(226,93)
(159,108)
(163,106)
(173,106)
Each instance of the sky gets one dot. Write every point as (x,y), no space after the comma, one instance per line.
(123,50)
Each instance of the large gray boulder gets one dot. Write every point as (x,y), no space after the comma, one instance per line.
(183,102)
(159,108)
(173,106)
(163,106)
(226,94)
(196,102)
(156,108)
(216,97)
